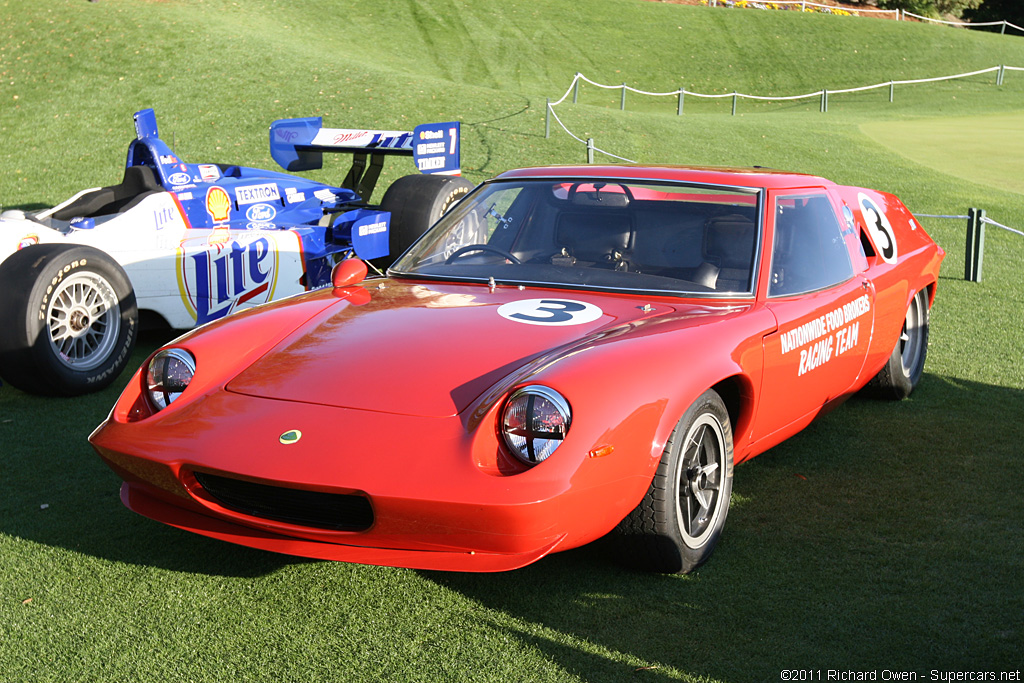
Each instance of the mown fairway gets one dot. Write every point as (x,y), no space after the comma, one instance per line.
(982,149)
(886,536)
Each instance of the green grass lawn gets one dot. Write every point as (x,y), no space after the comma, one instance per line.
(885,536)
(985,149)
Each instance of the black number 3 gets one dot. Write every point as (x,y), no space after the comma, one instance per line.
(557,312)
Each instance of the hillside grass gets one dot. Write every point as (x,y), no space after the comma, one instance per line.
(885,536)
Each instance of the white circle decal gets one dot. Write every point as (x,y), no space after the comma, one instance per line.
(550,312)
(879,227)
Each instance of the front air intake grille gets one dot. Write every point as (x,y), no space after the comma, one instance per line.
(335,511)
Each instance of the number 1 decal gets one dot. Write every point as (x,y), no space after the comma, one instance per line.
(879,227)
(550,312)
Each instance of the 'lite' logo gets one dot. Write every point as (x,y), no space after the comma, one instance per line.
(218,278)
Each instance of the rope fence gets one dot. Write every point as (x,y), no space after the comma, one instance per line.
(897,14)
(682,93)
(966,24)
(975,248)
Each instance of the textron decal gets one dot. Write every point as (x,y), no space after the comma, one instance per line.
(251,194)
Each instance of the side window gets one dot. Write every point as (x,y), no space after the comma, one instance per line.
(809,251)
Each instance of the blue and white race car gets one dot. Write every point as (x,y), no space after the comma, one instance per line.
(180,244)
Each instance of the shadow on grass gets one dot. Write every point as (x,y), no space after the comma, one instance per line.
(886,536)
(24,207)
(54,489)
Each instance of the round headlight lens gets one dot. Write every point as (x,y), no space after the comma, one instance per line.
(534,423)
(169,374)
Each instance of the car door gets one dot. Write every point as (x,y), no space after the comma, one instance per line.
(824,306)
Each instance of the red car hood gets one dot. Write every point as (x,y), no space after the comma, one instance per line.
(427,349)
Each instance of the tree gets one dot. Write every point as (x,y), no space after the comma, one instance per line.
(997,10)
(930,7)
(923,7)
(955,7)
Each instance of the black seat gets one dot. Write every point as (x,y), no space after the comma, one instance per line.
(728,252)
(595,236)
(138,182)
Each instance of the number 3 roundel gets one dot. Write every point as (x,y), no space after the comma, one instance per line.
(879,227)
(550,312)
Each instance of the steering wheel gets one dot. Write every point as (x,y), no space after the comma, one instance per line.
(469,248)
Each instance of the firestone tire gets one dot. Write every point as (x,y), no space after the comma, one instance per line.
(68,319)
(416,202)
(676,526)
(905,366)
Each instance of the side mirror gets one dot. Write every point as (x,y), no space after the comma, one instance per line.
(348,272)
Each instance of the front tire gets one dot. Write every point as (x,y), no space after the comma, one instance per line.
(416,202)
(677,524)
(68,318)
(905,366)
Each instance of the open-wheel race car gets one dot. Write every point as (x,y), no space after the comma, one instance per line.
(570,353)
(180,244)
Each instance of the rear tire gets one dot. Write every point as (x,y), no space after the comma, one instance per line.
(905,366)
(677,524)
(68,319)
(416,202)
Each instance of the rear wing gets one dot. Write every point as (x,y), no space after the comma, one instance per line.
(299,145)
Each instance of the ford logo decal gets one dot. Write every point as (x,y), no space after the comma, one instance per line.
(261,213)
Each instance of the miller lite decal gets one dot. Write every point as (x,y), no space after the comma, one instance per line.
(216,277)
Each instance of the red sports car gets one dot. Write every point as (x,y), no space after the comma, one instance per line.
(570,352)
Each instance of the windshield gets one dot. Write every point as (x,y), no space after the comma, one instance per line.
(602,234)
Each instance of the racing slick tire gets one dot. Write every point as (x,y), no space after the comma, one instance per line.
(415,203)
(68,319)
(677,524)
(905,366)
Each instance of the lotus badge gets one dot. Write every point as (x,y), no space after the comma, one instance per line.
(290,437)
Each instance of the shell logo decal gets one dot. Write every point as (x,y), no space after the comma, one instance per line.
(218,204)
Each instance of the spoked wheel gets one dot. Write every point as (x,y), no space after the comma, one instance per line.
(698,481)
(677,524)
(913,338)
(83,319)
(905,366)
(69,319)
